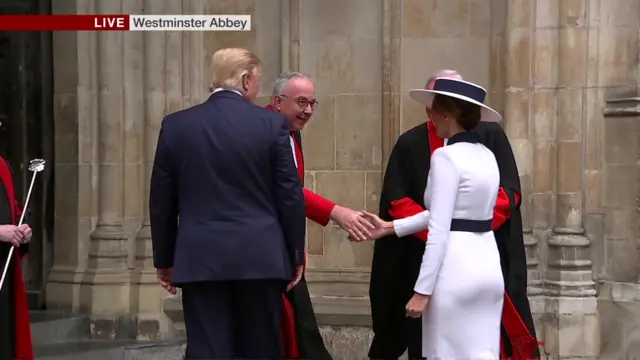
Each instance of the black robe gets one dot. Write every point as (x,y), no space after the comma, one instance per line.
(309,340)
(510,237)
(396,262)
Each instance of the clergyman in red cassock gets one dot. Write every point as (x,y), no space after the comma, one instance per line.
(294,96)
(15,330)
(396,261)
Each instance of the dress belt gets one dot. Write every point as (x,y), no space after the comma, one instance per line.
(474,226)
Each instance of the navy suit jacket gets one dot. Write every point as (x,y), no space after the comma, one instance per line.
(226,201)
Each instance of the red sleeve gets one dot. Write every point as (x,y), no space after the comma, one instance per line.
(501,212)
(404,208)
(318,208)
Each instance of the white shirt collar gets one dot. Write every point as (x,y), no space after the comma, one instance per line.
(223,89)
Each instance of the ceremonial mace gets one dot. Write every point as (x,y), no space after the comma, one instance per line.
(35,166)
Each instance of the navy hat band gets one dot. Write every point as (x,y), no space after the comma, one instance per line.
(461,88)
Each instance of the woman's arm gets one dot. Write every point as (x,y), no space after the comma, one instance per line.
(443,191)
(411,224)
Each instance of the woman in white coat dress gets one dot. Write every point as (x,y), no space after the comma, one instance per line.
(460,289)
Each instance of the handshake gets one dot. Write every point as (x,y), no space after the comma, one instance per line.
(361,225)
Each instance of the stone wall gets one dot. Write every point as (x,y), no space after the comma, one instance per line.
(549,66)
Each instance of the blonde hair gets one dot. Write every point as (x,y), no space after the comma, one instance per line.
(230,65)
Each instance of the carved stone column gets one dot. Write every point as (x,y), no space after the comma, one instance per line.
(543,123)
(520,118)
(621,115)
(619,292)
(108,240)
(573,330)
(613,186)
(75,116)
(391,72)
(149,295)
(568,230)
(106,287)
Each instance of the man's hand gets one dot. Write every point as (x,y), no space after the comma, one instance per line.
(297,276)
(11,234)
(353,222)
(164,279)
(26,233)
(380,229)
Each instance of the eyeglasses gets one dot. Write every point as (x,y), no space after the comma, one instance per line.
(303,102)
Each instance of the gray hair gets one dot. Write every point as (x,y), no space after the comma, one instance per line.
(440,73)
(283,80)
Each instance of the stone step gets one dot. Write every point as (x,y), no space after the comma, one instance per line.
(157,351)
(51,327)
(181,330)
(110,350)
(343,325)
(58,336)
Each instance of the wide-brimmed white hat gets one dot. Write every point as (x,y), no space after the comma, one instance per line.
(459,89)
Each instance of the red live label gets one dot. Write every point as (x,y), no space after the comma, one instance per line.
(111,22)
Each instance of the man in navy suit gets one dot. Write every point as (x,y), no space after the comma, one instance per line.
(226,170)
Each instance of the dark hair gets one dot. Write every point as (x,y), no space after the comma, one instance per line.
(467,114)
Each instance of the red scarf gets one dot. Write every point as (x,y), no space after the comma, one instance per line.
(435,141)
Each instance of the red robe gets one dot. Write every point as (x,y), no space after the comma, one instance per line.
(513,324)
(24,348)
(317,209)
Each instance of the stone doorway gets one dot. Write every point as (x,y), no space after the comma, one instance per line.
(26,112)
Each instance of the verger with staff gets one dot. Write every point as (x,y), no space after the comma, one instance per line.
(15,332)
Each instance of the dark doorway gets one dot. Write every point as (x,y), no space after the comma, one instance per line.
(26,112)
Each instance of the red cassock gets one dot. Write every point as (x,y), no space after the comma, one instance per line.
(317,209)
(513,324)
(24,348)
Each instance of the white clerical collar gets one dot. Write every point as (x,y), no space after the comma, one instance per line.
(223,89)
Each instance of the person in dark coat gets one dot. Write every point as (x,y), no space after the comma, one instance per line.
(228,215)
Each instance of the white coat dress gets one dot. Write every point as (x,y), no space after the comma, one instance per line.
(460,269)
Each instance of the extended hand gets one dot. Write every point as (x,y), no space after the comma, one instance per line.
(380,227)
(11,234)
(164,279)
(353,222)
(417,305)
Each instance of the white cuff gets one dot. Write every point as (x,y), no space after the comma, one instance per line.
(412,224)
(425,284)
